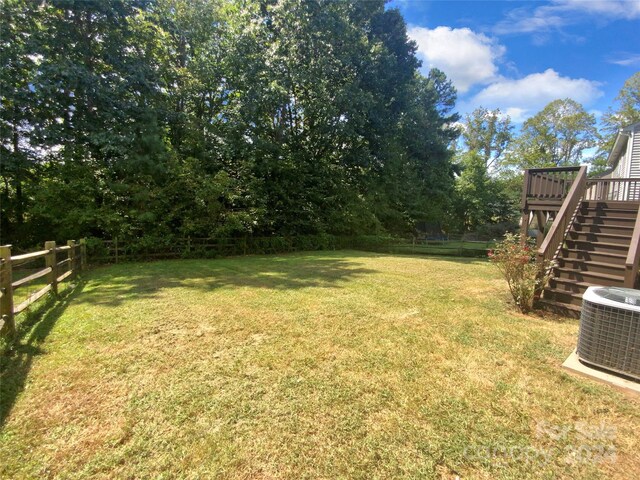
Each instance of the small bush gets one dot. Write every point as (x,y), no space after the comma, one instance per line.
(516,260)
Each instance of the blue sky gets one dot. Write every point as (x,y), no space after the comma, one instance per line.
(520,55)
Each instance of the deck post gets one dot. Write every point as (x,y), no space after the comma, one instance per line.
(524,220)
(51,261)
(6,289)
(524,227)
(541,222)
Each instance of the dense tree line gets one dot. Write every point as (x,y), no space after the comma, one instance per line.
(217,118)
(172,118)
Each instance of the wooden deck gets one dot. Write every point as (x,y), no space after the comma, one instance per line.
(589,229)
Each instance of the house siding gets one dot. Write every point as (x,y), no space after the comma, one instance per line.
(634,153)
(628,165)
(621,169)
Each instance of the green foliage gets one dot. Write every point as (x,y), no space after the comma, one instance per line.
(489,133)
(483,200)
(480,199)
(516,260)
(625,113)
(555,137)
(211,118)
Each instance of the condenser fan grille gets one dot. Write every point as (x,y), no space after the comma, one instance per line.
(610,335)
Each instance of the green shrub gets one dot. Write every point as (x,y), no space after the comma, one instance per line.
(516,260)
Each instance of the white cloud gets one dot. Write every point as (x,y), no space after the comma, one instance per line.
(626,60)
(521,98)
(472,59)
(566,12)
(518,115)
(614,9)
(466,57)
(522,20)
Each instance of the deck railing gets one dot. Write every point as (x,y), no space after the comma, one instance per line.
(554,239)
(549,183)
(613,189)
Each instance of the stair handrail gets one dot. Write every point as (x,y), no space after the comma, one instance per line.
(554,239)
(633,256)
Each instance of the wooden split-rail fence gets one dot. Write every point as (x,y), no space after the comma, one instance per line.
(62,263)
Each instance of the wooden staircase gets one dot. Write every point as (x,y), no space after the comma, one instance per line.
(594,253)
(594,237)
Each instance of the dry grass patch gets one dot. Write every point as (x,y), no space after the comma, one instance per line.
(316,365)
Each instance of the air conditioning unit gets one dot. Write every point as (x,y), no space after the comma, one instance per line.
(610,329)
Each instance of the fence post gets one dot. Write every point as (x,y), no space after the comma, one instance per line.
(6,288)
(72,258)
(51,261)
(83,253)
(116,247)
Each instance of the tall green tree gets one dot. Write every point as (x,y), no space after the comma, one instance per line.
(625,112)
(428,133)
(19,60)
(556,136)
(145,118)
(489,133)
(482,200)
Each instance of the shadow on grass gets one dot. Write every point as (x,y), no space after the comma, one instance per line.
(117,284)
(32,330)
(114,285)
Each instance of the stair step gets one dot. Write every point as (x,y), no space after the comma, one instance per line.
(562,296)
(560,308)
(609,204)
(603,228)
(589,265)
(616,238)
(608,257)
(591,246)
(608,220)
(608,212)
(574,286)
(605,279)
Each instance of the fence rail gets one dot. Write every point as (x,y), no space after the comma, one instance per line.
(119,250)
(11,266)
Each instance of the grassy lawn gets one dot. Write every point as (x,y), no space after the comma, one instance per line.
(319,365)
